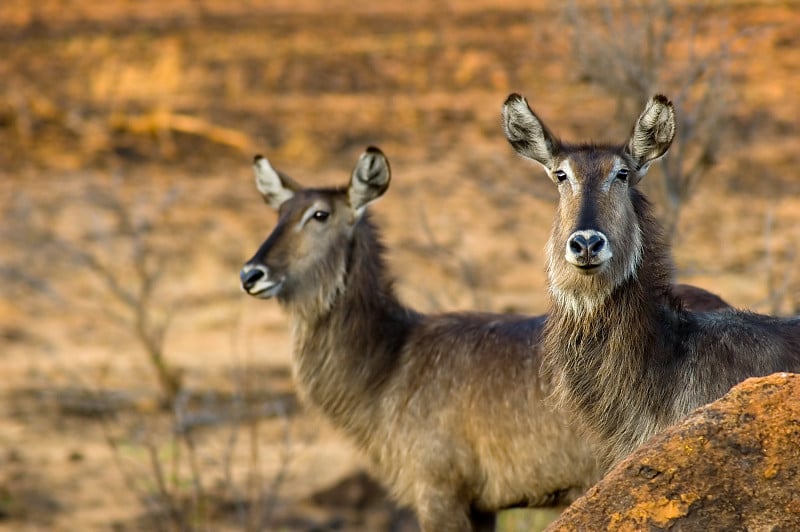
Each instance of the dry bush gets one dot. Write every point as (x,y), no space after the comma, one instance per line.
(113,258)
(780,267)
(120,248)
(203,464)
(636,48)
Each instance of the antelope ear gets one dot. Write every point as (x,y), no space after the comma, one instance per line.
(652,133)
(527,133)
(370,179)
(274,186)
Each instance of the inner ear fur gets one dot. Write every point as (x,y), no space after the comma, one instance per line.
(652,133)
(275,187)
(370,178)
(528,134)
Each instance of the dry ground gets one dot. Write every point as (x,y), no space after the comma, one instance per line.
(161,105)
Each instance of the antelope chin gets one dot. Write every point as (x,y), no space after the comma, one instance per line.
(266,289)
(588,269)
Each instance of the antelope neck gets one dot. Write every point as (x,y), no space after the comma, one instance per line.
(345,356)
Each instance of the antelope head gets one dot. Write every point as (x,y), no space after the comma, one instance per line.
(597,239)
(304,259)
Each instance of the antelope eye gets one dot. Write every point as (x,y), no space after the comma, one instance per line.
(321,216)
(622,174)
(561,175)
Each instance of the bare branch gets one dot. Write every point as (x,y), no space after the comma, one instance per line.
(634,48)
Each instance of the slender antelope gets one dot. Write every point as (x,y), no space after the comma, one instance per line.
(622,352)
(449,408)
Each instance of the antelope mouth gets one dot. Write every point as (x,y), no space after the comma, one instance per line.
(265,289)
(584,266)
(255,280)
(589,269)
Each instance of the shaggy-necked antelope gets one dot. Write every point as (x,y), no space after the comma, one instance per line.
(450,408)
(624,354)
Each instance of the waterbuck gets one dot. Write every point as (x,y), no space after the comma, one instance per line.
(449,408)
(622,353)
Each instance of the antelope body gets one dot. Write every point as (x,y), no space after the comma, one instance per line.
(624,354)
(450,408)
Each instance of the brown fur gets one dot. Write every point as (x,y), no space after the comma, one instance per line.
(697,299)
(451,407)
(625,354)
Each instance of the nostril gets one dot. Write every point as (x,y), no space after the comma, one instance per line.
(250,277)
(587,249)
(596,244)
(577,244)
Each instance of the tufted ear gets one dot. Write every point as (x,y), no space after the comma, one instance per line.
(370,179)
(652,133)
(527,133)
(274,186)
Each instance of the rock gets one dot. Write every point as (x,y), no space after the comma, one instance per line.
(731,465)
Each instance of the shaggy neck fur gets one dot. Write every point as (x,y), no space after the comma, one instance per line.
(349,333)
(635,361)
(601,356)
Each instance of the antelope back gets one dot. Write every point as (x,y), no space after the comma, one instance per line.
(597,238)
(303,261)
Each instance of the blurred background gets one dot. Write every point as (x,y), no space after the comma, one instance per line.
(142,390)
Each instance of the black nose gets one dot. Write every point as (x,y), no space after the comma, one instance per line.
(250,277)
(590,247)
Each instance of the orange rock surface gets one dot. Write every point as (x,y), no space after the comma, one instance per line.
(731,465)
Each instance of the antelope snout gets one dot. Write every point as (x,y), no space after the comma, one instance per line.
(588,249)
(250,275)
(256,281)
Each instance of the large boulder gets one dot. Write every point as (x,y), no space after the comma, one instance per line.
(731,465)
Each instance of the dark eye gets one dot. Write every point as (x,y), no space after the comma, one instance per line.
(622,174)
(321,216)
(561,175)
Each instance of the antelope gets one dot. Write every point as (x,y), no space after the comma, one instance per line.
(449,408)
(624,355)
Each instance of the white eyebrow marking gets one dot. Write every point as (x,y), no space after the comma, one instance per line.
(307,216)
(566,167)
(618,165)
